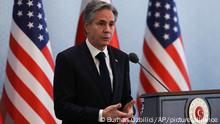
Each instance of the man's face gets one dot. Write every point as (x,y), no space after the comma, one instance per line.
(100,29)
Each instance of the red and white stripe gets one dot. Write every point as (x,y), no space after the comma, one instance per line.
(28,89)
(80,34)
(167,65)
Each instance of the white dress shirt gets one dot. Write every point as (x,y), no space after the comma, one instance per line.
(94,51)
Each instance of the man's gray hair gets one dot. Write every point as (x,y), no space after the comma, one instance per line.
(96,5)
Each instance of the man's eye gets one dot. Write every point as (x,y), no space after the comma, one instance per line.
(101,23)
(111,24)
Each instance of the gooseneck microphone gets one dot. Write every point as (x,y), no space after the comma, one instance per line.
(134,58)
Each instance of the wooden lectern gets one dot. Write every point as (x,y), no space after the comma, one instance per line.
(188,107)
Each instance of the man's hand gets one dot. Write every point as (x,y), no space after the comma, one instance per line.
(113,112)
(129,107)
(129,110)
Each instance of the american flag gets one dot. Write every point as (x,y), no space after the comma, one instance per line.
(80,34)
(163,52)
(28,89)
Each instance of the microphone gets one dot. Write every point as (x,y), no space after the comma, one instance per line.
(134,58)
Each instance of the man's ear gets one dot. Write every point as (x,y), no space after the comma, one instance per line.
(86,27)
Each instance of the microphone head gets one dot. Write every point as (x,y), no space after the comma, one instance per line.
(133,57)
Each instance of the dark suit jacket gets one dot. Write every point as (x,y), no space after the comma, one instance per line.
(78,96)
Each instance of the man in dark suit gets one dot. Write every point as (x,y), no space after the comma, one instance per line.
(91,81)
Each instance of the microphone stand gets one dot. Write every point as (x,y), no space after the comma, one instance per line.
(153,77)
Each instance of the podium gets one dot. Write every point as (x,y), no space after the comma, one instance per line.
(188,107)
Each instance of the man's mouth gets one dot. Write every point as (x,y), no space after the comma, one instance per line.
(106,38)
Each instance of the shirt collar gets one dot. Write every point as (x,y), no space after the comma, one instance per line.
(94,51)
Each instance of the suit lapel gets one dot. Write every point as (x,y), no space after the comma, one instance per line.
(88,60)
(91,68)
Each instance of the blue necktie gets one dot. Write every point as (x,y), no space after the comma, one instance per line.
(104,74)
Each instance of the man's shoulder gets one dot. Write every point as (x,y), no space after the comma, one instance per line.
(71,50)
(117,51)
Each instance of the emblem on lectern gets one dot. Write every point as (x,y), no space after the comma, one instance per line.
(198,111)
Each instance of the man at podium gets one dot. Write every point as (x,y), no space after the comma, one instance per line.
(91,81)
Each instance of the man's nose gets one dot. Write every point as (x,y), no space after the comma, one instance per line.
(107,28)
